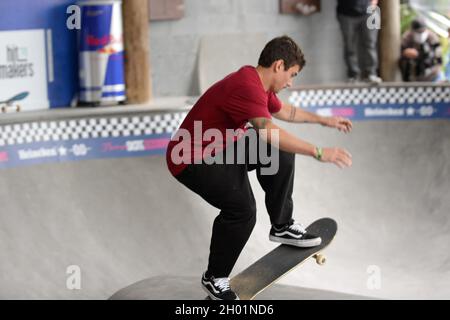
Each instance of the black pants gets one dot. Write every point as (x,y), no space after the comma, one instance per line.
(227,187)
(354,29)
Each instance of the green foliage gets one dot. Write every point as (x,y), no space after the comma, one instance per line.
(407,15)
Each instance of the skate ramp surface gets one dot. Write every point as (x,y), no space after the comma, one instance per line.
(187,288)
(125,220)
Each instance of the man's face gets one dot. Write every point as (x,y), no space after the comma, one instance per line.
(284,78)
(420,35)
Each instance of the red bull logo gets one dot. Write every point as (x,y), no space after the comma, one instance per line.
(94,41)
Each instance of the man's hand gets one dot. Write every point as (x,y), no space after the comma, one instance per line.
(340,157)
(342,124)
(289,143)
(410,53)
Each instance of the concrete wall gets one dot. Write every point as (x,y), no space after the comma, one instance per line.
(174,44)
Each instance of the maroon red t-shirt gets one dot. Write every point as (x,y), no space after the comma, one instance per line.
(228,104)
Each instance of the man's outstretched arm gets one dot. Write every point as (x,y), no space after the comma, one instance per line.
(293,114)
(290,143)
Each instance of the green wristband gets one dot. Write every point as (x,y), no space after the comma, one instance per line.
(319,153)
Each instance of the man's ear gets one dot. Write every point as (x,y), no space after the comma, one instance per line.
(278,65)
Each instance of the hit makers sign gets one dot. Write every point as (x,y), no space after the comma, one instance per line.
(23,68)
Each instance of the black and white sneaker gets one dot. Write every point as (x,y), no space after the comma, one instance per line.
(218,288)
(294,234)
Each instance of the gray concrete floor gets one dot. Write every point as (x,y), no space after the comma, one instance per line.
(124,220)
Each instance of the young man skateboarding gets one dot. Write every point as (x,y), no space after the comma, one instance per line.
(248,96)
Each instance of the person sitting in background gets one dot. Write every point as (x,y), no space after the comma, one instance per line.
(421,58)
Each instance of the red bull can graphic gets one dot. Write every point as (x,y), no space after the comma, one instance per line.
(101,53)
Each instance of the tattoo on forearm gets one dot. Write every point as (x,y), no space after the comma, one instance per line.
(263,123)
(292,115)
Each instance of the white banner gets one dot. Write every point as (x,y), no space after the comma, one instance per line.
(23,70)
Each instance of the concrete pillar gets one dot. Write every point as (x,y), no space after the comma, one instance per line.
(390,39)
(137,50)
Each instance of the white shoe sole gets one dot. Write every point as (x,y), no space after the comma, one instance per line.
(298,243)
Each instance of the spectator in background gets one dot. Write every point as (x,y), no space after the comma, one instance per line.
(421,58)
(352,16)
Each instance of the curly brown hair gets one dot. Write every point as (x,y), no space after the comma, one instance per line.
(282,48)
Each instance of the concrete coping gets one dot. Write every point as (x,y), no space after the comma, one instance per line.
(158,105)
(366,85)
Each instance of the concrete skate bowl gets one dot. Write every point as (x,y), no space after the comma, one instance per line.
(122,221)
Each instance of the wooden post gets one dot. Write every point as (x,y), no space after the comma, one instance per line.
(137,50)
(390,40)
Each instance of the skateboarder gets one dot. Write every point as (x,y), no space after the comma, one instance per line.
(248,96)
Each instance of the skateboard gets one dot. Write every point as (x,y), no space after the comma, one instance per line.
(8,105)
(280,261)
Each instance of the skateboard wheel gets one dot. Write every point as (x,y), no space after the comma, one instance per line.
(320,259)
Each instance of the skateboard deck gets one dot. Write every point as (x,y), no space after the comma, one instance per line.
(280,261)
